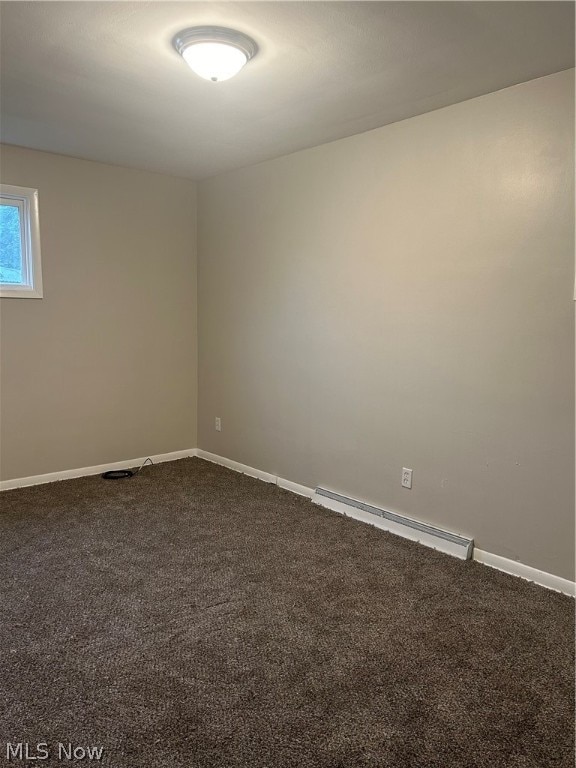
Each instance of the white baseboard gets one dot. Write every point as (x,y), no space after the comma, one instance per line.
(548,580)
(514,568)
(68,474)
(301,490)
(244,469)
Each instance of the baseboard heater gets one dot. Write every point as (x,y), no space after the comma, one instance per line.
(451,543)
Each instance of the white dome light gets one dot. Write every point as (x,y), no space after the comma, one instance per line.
(214,61)
(214,53)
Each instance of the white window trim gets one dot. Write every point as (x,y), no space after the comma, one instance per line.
(27,200)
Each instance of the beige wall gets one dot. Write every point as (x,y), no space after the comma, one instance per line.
(405,298)
(103,368)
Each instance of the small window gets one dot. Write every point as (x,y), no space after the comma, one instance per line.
(20,270)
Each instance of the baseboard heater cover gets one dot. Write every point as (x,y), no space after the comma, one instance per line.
(451,543)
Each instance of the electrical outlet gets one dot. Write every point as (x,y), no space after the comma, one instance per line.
(218,424)
(406,478)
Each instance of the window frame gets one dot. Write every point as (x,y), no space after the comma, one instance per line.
(26,200)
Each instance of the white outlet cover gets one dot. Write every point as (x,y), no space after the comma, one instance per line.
(406,477)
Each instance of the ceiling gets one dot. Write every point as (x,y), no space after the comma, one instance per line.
(100,80)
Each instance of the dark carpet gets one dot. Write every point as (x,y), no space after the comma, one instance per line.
(191,616)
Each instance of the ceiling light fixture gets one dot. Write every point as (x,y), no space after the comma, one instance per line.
(215,53)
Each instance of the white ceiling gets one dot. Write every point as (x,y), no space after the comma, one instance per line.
(100,80)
